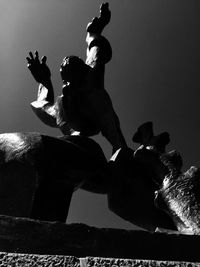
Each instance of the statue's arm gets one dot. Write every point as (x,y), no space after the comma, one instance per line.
(45,111)
(99,50)
(43,107)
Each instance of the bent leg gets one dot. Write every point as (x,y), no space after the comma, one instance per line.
(52,200)
(17,187)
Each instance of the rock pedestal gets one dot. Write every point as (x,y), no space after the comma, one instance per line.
(26,242)
(14,259)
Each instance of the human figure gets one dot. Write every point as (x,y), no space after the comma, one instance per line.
(84,108)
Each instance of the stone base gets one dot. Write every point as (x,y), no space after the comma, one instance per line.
(34,238)
(29,260)
(108,262)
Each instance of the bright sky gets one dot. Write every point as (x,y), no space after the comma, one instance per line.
(154,74)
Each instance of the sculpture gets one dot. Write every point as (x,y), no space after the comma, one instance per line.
(36,183)
(136,180)
(39,173)
(176,192)
(84,108)
(44,172)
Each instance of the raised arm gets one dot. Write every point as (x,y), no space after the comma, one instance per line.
(42,75)
(99,51)
(43,107)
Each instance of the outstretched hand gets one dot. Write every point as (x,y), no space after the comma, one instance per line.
(38,68)
(98,24)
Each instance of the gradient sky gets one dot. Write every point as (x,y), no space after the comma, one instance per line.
(154,73)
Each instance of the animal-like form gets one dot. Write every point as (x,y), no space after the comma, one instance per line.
(39,173)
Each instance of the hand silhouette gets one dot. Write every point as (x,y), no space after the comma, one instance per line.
(97,24)
(38,68)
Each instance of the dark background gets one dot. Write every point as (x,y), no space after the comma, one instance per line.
(154,73)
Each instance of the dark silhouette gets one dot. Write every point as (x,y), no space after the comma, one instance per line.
(84,108)
(39,173)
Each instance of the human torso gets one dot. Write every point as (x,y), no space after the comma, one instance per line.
(74,114)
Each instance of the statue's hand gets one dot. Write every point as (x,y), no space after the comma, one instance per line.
(98,24)
(38,68)
(105,14)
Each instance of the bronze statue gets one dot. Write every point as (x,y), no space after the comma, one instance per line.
(135,180)
(146,186)
(39,173)
(84,108)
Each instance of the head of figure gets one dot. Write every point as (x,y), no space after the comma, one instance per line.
(74,71)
